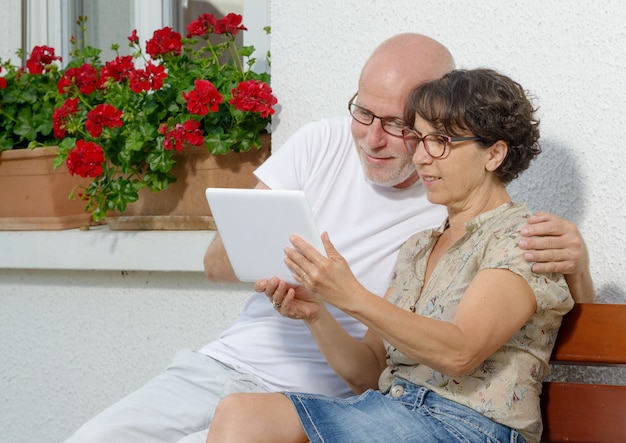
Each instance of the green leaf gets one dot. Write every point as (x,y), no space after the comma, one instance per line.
(218,144)
(246,51)
(158,181)
(120,193)
(6,143)
(23,125)
(160,161)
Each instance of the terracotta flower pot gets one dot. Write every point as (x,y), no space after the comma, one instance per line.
(183,205)
(34,196)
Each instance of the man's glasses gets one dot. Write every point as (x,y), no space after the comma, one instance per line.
(391,125)
(435,144)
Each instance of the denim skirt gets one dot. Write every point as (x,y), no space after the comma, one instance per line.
(408,413)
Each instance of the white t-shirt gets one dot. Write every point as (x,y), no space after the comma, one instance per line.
(367,224)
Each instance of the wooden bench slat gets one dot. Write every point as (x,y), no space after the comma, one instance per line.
(592,334)
(583,413)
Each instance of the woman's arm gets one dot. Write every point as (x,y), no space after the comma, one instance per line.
(485,319)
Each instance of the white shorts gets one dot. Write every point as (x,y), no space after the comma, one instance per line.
(176,404)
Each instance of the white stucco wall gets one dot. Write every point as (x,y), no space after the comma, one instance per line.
(74,341)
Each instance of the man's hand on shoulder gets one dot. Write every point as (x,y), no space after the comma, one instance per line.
(553,244)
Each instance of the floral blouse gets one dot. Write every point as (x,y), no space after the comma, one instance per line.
(507,385)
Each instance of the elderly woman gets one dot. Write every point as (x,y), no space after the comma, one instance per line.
(460,344)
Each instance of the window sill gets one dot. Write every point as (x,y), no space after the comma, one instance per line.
(104,250)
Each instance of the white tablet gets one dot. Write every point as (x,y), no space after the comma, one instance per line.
(255,225)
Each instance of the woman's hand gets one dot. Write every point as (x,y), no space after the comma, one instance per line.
(291,301)
(330,277)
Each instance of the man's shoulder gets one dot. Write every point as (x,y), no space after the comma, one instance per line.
(337,123)
(331,133)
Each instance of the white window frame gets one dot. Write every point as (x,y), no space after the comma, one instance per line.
(48,23)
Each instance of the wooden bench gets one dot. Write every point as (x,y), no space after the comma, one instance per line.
(591,334)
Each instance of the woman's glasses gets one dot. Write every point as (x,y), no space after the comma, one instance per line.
(435,144)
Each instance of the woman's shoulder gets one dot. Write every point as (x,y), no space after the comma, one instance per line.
(507,219)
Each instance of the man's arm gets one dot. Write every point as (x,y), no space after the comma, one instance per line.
(217,267)
(555,245)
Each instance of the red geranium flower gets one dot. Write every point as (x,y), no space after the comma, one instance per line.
(40,58)
(156,74)
(85,159)
(84,77)
(187,132)
(254,96)
(204,98)
(102,116)
(118,69)
(164,41)
(193,135)
(231,24)
(133,38)
(147,79)
(61,116)
(207,24)
(139,81)
(201,27)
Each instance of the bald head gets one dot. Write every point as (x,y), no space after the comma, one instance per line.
(402,62)
(392,71)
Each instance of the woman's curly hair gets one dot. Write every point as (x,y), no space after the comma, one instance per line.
(489,105)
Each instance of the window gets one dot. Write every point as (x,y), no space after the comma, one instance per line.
(53,22)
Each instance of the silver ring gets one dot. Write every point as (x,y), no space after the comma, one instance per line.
(277,305)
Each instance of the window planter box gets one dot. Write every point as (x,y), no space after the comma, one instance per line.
(34,196)
(183,205)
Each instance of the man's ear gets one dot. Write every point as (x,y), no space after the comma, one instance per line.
(497,154)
